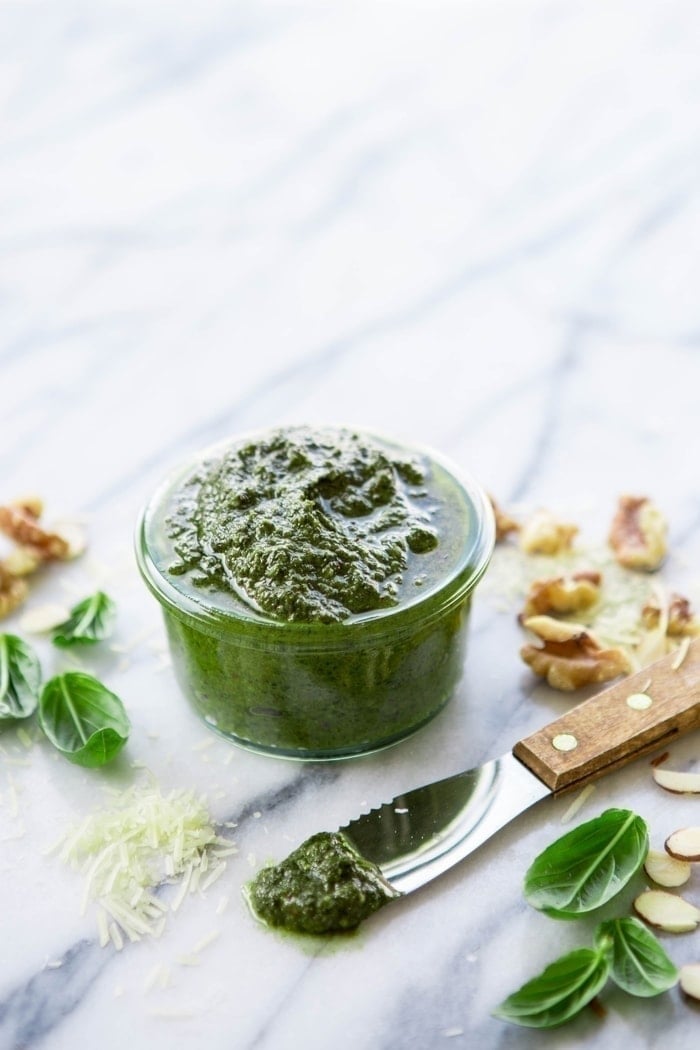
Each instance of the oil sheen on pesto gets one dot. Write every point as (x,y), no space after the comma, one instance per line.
(303,524)
(324,886)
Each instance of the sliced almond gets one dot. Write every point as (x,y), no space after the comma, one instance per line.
(43,618)
(551,630)
(666,870)
(678,782)
(690,979)
(684,844)
(75,538)
(667,911)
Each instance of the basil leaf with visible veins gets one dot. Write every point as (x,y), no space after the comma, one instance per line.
(83,719)
(90,621)
(590,864)
(638,963)
(559,992)
(20,678)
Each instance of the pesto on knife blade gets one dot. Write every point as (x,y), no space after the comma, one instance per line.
(324,886)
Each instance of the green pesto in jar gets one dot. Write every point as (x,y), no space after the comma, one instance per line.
(303,524)
(324,886)
(315,585)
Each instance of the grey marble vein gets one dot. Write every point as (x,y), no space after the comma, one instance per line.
(30,1012)
(310,780)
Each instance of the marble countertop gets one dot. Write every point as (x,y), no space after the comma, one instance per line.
(470,225)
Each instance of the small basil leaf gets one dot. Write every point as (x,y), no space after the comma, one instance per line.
(20,678)
(559,992)
(83,719)
(638,963)
(90,621)
(590,864)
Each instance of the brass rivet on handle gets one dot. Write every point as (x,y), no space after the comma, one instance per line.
(565,742)
(639,701)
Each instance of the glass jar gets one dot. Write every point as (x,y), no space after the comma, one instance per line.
(316,690)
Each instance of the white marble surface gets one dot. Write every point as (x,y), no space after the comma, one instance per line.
(473,225)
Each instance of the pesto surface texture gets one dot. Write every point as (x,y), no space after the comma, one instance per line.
(303,524)
(324,886)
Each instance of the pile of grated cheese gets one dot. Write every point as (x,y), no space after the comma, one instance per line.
(127,851)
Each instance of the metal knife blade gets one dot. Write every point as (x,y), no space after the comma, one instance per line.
(423,832)
(419,835)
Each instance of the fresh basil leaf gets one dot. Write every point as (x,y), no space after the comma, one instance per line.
(83,719)
(559,992)
(590,864)
(638,963)
(90,621)
(20,678)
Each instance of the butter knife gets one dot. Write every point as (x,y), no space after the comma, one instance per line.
(420,834)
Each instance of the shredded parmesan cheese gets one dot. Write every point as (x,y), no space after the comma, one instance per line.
(681,654)
(102,927)
(203,744)
(145,840)
(72,662)
(578,802)
(13,799)
(26,739)
(206,941)
(174,1013)
(152,978)
(159,975)
(115,936)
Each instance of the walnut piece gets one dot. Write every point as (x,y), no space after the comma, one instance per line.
(504,523)
(562,594)
(21,524)
(545,534)
(638,534)
(22,561)
(32,505)
(680,620)
(570,656)
(34,546)
(13,591)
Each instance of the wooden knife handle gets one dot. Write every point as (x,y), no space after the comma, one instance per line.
(610,730)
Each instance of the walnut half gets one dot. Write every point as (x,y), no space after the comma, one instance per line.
(638,534)
(562,594)
(34,545)
(13,591)
(504,523)
(545,534)
(20,522)
(570,657)
(680,619)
